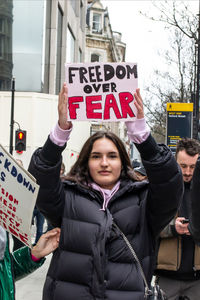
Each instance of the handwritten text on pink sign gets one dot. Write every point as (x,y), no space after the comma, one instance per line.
(98,91)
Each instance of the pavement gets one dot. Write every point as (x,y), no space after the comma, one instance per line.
(31,286)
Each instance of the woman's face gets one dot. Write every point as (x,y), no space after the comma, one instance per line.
(104,163)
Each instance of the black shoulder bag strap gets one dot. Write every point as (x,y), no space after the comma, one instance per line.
(148,291)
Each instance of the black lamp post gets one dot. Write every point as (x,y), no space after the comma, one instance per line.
(197,98)
(12,115)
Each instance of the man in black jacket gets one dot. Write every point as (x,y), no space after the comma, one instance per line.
(178,263)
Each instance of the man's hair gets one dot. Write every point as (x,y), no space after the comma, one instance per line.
(191,146)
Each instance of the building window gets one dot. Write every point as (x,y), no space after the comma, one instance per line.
(1,46)
(2,25)
(5,85)
(96,23)
(2,37)
(95,57)
(73,3)
(9,53)
(82,16)
(2,85)
(80,54)
(59,50)
(70,56)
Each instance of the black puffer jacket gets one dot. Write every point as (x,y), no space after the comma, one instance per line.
(92,261)
(194,224)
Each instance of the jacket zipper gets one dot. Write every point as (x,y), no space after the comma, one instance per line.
(11,264)
(178,247)
(195,271)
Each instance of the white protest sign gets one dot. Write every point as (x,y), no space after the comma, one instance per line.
(101,91)
(18,193)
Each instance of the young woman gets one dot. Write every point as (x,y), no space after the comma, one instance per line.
(92,260)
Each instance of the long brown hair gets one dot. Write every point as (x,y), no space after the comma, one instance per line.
(80,170)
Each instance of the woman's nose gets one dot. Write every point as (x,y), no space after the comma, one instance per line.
(104,161)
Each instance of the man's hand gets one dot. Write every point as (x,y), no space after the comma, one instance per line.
(180,227)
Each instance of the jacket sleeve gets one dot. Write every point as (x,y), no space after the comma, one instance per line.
(166,183)
(23,264)
(45,167)
(194,223)
(170,230)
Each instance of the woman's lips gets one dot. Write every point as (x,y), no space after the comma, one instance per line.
(104,172)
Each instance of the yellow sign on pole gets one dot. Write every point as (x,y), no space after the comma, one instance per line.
(179,106)
(179,123)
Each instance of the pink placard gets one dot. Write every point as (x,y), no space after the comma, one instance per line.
(101,91)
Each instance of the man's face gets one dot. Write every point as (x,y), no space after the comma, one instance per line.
(187,164)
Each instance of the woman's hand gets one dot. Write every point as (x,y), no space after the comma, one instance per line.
(47,243)
(139,104)
(62,109)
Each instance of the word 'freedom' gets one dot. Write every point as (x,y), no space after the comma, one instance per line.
(94,74)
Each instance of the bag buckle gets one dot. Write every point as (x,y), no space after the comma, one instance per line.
(147,293)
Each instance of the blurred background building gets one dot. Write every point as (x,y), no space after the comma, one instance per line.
(36,39)
(103,45)
(6,20)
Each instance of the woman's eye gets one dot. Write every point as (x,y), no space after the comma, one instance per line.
(95,156)
(112,155)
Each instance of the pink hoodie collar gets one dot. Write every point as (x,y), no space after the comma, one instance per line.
(107,194)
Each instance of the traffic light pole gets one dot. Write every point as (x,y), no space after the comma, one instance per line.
(12,116)
(197,100)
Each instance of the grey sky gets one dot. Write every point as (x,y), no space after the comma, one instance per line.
(144,38)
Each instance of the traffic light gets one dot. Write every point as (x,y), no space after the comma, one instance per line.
(20,140)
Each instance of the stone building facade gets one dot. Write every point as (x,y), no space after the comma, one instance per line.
(103,45)
(6,19)
(35,53)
